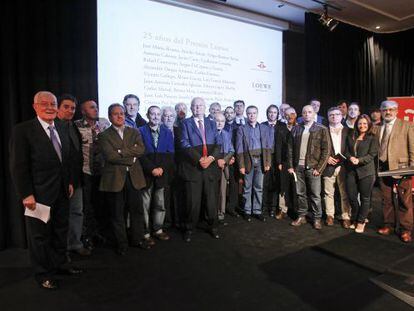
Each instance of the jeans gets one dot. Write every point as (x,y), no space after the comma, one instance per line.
(363,187)
(153,197)
(75,220)
(308,184)
(253,189)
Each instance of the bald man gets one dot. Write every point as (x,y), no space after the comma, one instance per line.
(40,156)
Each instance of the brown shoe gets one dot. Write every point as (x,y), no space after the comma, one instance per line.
(406,237)
(280,215)
(150,241)
(385,230)
(346,223)
(162,236)
(329,221)
(317,224)
(298,222)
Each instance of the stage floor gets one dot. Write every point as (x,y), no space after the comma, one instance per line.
(254,266)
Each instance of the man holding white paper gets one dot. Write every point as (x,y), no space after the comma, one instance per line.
(41,171)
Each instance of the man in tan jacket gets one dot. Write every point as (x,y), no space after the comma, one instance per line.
(396,138)
(123,178)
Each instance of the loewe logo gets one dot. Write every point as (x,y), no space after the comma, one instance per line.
(261,85)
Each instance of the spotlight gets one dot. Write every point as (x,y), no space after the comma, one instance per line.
(327,21)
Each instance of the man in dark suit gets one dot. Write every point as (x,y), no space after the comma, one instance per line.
(335,173)
(122,178)
(66,111)
(157,162)
(253,154)
(200,152)
(40,167)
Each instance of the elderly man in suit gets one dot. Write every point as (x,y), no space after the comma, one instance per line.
(198,167)
(396,138)
(122,178)
(157,162)
(253,154)
(40,156)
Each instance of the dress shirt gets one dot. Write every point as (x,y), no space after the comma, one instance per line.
(253,138)
(46,125)
(390,124)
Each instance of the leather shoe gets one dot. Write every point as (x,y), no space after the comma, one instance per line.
(187,236)
(317,224)
(260,217)
(406,237)
(141,244)
(329,221)
(346,223)
(150,241)
(298,222)
(247,217)
(83,251)
(49,284)
(163,236)
(233,214)
(214,233)
(280,215)
(385,230)
(272,214)
(69,271)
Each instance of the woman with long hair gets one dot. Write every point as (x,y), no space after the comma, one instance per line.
(361,150)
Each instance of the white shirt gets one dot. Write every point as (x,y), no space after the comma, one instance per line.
(240,120)
(390,124)
(120,131)
(336,138)
(46,125)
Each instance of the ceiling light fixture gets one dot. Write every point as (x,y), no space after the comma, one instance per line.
(377,27)
(327,21)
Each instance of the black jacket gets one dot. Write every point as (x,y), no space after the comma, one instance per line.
(34,164)
(330,169)
(366,151)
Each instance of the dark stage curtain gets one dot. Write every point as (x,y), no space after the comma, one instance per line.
(354,64)
(45,45)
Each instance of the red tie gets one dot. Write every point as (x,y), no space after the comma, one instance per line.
(203,136)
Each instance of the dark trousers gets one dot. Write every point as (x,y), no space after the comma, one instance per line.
(308,188)
(205,189)
(48,242)
(232,190)
(363,186)
(92,203)
(270,193)
(131,199)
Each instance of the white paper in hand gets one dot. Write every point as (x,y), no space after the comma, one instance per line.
(41,212)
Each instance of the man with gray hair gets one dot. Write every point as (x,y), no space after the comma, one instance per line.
(181,113)
(396,138)
(214,108)
(168,117)
(40,167)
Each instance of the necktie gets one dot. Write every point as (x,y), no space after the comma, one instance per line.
(203,136)
(55,142)
(155,136)
(383,154)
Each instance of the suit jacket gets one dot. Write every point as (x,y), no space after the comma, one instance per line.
(318,148)
(243,150)
(34,164)
(366,151)
(330,169)
(191,144)
(118,155)
(280,149)
(160,156)
(140,121)
(400,145)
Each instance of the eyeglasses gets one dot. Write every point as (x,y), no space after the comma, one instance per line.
(47,105)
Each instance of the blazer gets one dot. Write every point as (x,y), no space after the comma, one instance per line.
(160,156)
(401,145)
(34,164)
(281,139)
(191,144)
(318,148)
(330,169)
(118,155)
(243,154)
(366,151)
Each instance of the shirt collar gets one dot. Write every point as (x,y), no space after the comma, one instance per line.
(155,128)
(391,122)
(44,124)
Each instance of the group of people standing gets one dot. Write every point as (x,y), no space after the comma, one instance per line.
(128,179)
